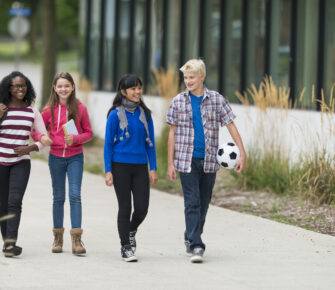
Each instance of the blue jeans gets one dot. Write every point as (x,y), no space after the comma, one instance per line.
(197,188)
(73,167)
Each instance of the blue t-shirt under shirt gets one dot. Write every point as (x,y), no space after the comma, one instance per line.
(199,137)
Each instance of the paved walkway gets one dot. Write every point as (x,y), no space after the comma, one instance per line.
(243,251)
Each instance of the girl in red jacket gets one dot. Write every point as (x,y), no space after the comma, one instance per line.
(66,157)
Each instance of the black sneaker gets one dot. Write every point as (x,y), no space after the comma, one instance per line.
(12,251)
(132,240)
(197,255)
(188,247)
(127,254)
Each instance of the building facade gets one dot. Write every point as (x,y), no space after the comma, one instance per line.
(241,41)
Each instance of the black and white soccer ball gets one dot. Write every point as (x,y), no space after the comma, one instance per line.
(227,155)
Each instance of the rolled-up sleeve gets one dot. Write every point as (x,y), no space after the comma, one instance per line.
(171,116)
(226,116)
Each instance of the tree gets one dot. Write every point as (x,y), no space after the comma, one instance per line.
(49,48)
(33,25)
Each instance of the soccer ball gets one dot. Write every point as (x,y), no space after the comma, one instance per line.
(227,155)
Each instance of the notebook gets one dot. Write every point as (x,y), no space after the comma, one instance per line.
(70,128)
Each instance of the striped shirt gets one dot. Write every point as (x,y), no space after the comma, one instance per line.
(215,112)
(15,130)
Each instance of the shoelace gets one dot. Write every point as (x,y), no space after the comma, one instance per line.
(197,251)
(132,240)
(79,241)
(129,253)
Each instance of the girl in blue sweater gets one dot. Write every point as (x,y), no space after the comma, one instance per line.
(129,145)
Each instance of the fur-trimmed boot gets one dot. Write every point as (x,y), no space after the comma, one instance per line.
(77,244)
(57,246)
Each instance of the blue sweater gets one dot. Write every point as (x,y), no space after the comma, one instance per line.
(135,149)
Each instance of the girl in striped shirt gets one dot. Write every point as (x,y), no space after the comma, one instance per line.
(17,118)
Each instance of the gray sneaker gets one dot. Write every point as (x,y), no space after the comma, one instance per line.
(127,254)
(188,247)
(197,255)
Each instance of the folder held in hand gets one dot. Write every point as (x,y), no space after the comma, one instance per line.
(70,128)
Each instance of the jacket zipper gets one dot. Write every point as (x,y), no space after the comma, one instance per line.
(59,111)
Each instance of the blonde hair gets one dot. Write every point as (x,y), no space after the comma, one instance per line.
(194,65)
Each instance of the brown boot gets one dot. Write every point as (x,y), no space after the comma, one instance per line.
(57,246)
(77,244)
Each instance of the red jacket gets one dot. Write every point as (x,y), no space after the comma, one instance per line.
(56,133)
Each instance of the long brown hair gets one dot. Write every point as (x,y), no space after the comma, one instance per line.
(72,103)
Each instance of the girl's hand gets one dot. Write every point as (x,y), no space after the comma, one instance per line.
(46,141)
(23,150)
(3,109)
(153,177)
(68,139)
(109,179)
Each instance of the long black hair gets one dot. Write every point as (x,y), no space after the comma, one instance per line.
(6,82)
(126,82)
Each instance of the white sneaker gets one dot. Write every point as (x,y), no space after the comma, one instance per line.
(197,255)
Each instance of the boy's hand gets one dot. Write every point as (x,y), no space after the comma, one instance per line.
(172,173)
(241,164)
(109,179)
(153,177)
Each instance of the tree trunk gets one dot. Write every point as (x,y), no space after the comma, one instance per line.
(33,26)
(49,48)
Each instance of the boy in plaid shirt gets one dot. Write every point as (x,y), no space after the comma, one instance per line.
(195,116)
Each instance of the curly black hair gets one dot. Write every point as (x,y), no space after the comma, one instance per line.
(6,82)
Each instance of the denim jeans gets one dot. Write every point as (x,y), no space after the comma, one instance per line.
(73,168)
(197,188)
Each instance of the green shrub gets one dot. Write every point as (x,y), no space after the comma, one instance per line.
(265,171)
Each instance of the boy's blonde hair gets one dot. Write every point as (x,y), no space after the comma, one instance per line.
(194,65)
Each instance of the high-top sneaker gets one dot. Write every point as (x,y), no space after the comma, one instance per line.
(127,254)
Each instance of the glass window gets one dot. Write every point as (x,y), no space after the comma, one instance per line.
(173,33)
(94,44)
(232,40)
(329,65)
(191,37)
(255,42)
(211,45)
(123,40)
(109,41)
(307,47)
(139,37)
(280,42)
(82,36)
(156,34)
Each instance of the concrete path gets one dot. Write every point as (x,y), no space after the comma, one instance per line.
(243,251)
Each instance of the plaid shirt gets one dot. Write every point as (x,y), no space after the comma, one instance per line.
(215,112)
